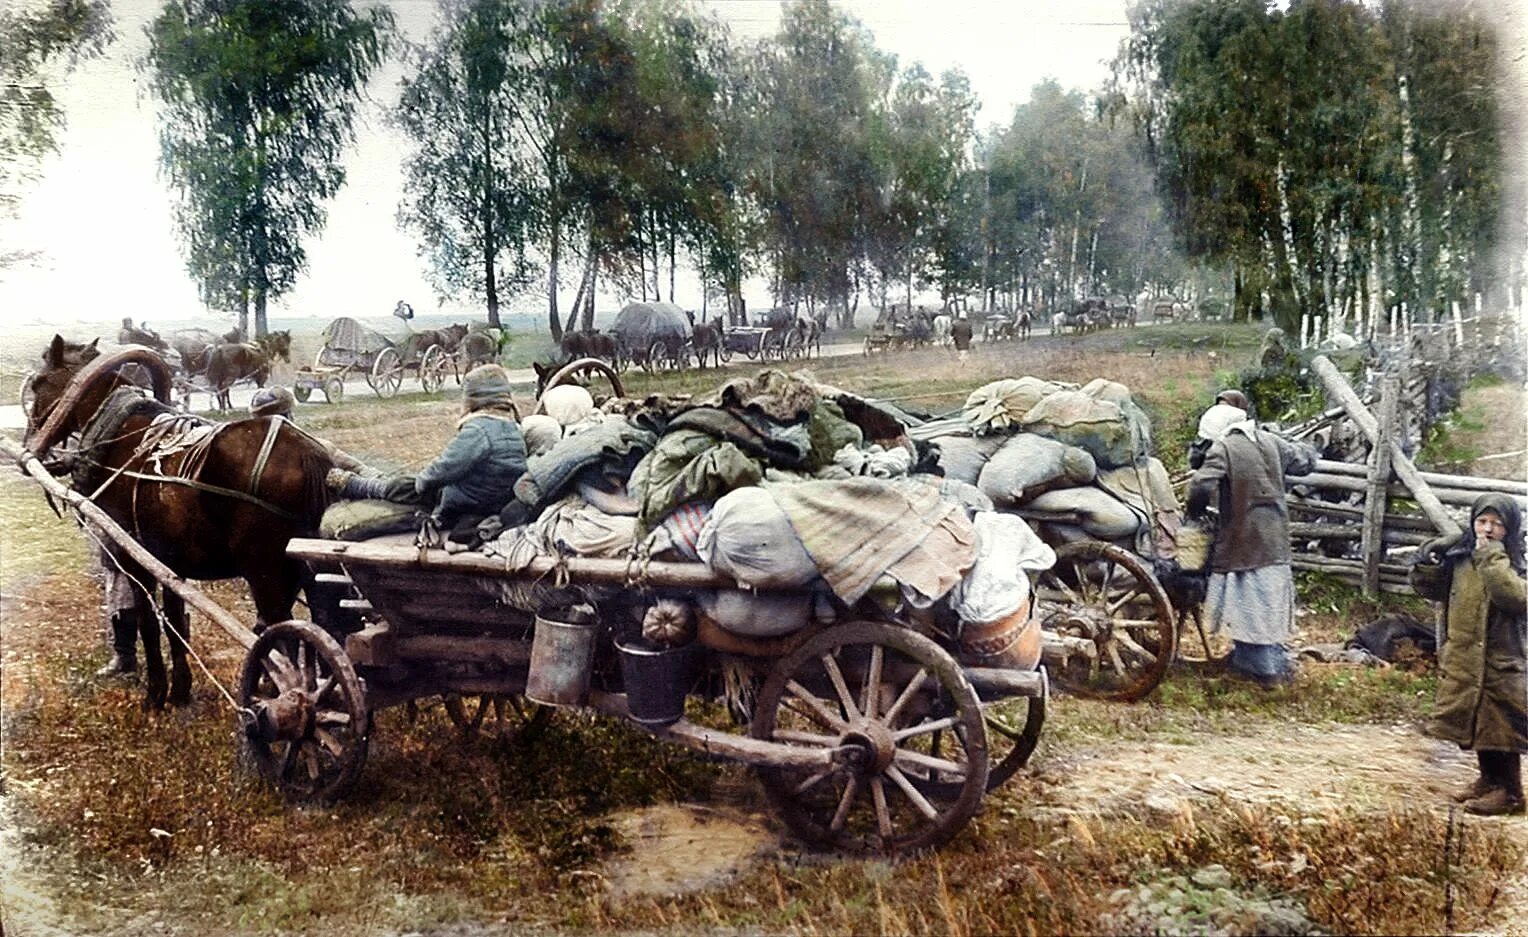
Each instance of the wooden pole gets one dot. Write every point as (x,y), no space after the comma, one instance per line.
(102,521)
(1458,482)
(1373,543)
(1338,387)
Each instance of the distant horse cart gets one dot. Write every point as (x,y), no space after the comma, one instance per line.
(351,349)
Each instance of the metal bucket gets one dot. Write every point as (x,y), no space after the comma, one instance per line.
(562,653)
(1012,642)
(657,680)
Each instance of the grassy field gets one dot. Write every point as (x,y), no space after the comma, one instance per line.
(1208,808)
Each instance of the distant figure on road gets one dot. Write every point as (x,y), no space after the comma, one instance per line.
(960,334)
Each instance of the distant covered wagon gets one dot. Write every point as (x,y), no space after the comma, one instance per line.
(652,335)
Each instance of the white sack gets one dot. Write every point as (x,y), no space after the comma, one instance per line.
(1100,514)
(962,457)
(1028,465)
(750,539)
(757,615)
(997,585)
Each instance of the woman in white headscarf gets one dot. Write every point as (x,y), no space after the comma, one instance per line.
(1240,483)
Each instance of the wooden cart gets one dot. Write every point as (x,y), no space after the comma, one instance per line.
(868,734)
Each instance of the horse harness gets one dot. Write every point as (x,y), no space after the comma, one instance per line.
(168,434)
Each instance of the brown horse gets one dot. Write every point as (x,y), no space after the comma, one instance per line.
(706,338)
(415,344)
(229,364)
(589,344)
(211,501)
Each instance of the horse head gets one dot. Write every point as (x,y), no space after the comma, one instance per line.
(73,381)
(276,345)
(544,373)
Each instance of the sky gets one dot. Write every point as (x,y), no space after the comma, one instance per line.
(100,217)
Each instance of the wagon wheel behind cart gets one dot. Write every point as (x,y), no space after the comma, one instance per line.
(386,372)
(433,365)
(905,727)
(306,723)
(579,370)
(1114,617)
(1013,731)
(497,716)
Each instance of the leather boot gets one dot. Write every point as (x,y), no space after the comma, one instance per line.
(1498,802)
(1479,788)
(124,646)
(1505,772)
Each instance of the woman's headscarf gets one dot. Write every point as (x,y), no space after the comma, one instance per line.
(1505,507)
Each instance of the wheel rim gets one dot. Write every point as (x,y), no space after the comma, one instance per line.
(387,372)
(334,390)
(432,369)
(496,716)
(911,761)
(302,392)
(309,725)
(1013,732)
(1105,595)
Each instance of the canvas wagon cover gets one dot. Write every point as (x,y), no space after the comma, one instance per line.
(346,334)
(641,324)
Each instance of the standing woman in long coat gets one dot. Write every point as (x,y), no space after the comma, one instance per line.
(1482,649)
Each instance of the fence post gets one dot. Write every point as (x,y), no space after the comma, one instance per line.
(1373,542)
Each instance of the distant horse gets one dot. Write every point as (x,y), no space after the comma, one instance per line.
(210,501)
(1023,323)
(415,344)
(141,335)
(478,348)
(229,364)
(706,338)
(810,330)
(942,326)
(194,344)
(592,343)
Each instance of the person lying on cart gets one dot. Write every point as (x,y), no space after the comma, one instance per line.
(474,476)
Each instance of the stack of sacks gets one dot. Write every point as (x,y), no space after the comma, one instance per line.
(1075,452)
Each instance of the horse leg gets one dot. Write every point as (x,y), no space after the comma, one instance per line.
(155,685)
(178,624)
(274,589)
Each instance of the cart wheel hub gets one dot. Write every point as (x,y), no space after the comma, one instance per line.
(869,747)
(1083,623)
(288,717)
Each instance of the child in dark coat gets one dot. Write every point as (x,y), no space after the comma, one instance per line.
(1482,648)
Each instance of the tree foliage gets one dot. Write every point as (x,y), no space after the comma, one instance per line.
(36,47)
(258,103)
(1321,150)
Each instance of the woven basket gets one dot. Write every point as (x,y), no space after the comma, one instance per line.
(1194,546)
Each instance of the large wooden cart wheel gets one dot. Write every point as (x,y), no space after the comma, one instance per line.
(334,390)
(754,350)
(306,724)
(432,369)
(571,373)
(386,372)
(302,391)
(905,729)
(497,716)
(724,350)
(1106,597)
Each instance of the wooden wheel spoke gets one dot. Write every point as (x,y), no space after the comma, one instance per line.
(1054,580)
(913,794)
(845,804)
(872,682)
(882,812)
(836,676)
(289,759)
(913,686)
(332,717)
(813,780)
(1129,642)
(332,746)
(278,667)
(309,759)
(1103,588)
(1114,658)
(923,728)
(324,686)
(954,769)
(1001,725)
(819,713)
(1130,595)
